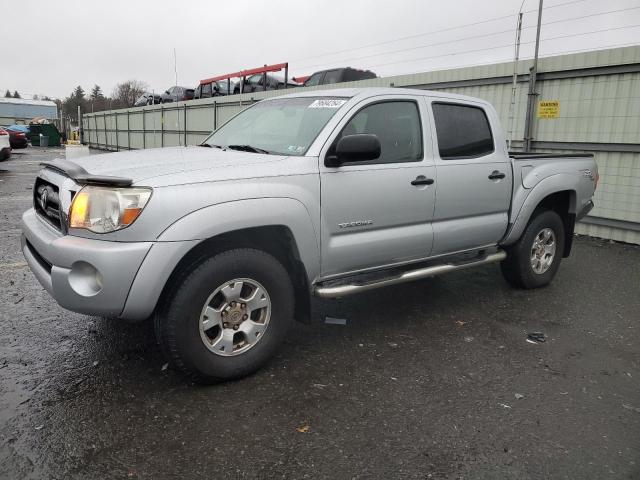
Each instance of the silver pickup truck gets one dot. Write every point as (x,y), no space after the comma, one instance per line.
(324,193)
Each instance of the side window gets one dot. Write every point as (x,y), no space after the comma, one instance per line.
(314,80)
(206,90)
(397,126)
(350,75)
(463,131)
(332,76)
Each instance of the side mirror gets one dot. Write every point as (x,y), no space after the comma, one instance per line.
(355,148)
(216,88)
(167,92)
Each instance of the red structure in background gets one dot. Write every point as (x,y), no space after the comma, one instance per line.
(243,74)
(301,78)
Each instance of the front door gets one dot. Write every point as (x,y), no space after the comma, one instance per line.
(379,212)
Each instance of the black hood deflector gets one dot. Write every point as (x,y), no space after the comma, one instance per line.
(82,177)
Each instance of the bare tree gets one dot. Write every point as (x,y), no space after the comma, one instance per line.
(126,93)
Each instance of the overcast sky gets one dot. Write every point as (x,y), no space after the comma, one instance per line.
(52,46)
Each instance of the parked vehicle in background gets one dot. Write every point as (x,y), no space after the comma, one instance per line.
(148,99)
(5,145)
(256,83)
(324,193)
(214,89)
(338,75)
(17,136)
(177,94)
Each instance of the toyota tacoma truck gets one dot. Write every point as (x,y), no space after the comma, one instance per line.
(321,193)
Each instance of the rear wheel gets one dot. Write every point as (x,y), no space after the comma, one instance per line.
(227,316)
(534,260)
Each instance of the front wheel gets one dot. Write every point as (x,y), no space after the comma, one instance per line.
(534,259)
(225,318)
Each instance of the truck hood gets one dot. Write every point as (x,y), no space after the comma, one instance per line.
(176,165)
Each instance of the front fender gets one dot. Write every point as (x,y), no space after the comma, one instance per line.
(184,234)
(227,217)
(529,199)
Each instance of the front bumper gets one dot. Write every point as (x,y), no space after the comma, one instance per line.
(83,275)
(584,210)
(19,143)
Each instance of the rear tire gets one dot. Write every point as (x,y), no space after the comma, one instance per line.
(534,259)
(227,316)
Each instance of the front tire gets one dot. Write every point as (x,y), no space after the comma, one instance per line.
(227,316)
(533,261)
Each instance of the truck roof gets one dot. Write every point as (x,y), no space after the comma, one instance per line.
(366,92)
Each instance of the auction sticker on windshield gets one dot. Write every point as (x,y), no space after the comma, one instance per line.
(327,103)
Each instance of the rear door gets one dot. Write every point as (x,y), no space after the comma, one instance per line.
(372,214)
(474,176)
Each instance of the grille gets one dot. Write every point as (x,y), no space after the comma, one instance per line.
(46,202)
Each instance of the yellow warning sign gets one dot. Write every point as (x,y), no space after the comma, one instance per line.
(548,108)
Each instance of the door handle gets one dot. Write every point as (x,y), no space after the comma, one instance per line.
(495,175)
(422,180)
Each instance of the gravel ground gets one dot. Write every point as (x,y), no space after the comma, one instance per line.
(433,379)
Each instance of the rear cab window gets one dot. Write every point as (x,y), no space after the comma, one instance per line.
(463,131)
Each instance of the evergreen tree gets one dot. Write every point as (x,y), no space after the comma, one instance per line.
(96,92)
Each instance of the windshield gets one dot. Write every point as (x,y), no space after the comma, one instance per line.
(286,126)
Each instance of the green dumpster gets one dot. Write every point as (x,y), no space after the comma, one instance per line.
(47,130)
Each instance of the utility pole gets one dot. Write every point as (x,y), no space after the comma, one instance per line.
(512,105)
(531,101)
(80,129)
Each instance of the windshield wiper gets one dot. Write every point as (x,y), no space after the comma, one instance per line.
(248,148)
(208,145)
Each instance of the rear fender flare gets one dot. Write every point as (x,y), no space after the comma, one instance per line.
(550,185)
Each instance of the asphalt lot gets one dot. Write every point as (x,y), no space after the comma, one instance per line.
(433,379)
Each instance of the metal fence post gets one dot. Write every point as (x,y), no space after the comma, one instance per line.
(128,132)
(106,138)
(117,136)
(144,130)
(185,124)
(161,126)
(215,114)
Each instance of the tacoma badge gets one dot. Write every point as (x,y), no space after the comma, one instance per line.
(357,223)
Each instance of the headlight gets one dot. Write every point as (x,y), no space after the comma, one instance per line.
(105,209)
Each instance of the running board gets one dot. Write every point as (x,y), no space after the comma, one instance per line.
(408,276)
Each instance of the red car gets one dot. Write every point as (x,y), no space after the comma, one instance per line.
(17,138)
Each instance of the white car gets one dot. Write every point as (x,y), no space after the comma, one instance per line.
(5,146)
